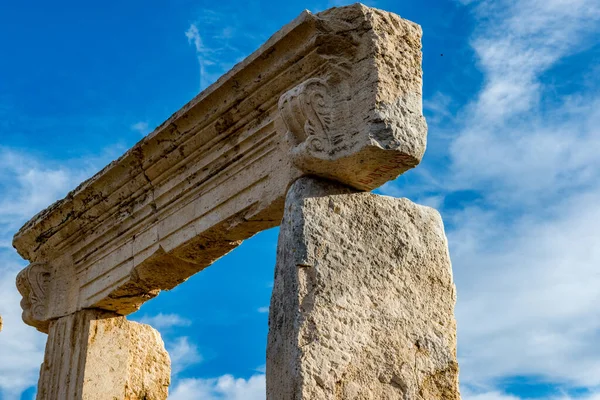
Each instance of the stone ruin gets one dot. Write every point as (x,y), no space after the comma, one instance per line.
(295,135)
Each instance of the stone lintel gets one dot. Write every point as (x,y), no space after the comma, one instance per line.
(99,355)
(335,94)
(363,299)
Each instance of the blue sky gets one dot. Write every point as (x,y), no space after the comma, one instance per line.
(511,95)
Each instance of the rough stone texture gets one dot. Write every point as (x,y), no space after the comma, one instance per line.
(363,302)
(98,355)
(336,94)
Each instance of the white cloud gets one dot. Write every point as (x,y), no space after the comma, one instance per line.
(438,108)
(21,346)
(525,255)
(27,185)
(203,54)
(162,321)
(591,396)
(528,293)
(487,396)
(193,36)
(216,39)
(225,387)
(263,310)
(496,395)
(183,354)
(141,127)
(508,139)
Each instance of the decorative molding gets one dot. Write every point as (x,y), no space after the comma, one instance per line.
(307,113)
(32,283)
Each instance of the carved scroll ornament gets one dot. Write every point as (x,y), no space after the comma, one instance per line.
(307,113)
(32,283)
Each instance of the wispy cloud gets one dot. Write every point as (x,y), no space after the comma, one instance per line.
(212,36)
(183,353)
(221,39)
(496,395)
(30,184)
(141,127)
(507,137)
(203,54)
(162,321)
(225,387)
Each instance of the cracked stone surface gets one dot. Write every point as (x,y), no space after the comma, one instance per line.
(363,301)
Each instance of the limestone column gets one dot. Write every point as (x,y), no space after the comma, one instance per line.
(363,300)
(98,355)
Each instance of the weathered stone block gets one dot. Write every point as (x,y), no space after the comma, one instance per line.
(336,94)
(98,355)
(363,301)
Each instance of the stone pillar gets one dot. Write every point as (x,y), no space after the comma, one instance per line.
(98,355)
(363,301)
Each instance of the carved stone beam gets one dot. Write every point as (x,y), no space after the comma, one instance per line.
(336,94)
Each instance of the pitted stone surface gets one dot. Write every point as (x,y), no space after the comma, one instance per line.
(363,302)
(97,355)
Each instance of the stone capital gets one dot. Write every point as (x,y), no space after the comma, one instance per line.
(33,283)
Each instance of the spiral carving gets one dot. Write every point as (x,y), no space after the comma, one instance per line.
(306,112)
(32,283)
